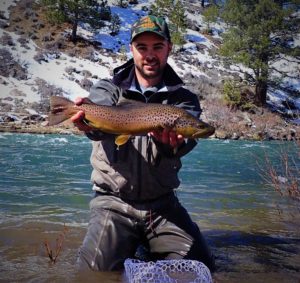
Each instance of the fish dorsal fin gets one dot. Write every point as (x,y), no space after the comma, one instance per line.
(86,100)
(122,139)
(130,102)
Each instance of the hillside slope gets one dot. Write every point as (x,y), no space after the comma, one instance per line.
(39,60)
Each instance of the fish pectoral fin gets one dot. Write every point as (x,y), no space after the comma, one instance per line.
(89,123)
(170,126)
(122,139)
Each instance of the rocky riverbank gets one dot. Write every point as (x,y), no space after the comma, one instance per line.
(36,129)
(34,124)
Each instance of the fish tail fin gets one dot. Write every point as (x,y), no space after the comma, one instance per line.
(60,110)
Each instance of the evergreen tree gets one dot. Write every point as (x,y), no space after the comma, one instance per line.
(210,15)
(174,11)
(178,23)
(162,8)
(260,32)
(115,24)
(75,11)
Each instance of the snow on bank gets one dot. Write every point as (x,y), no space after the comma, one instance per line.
(5,5)
(53,71)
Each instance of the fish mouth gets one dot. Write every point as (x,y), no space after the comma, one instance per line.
(204,133)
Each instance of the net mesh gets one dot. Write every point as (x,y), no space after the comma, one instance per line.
(165,271)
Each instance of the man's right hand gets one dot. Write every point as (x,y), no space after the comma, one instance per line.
(78,118)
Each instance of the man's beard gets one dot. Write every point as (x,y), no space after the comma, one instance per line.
(154,74)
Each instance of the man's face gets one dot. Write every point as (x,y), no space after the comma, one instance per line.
(150,54)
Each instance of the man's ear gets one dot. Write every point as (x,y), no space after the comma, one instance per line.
(130,46)
(170,46)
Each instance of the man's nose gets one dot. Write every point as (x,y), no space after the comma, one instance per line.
(150,55)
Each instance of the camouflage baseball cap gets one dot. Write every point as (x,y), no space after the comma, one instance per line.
(150,23)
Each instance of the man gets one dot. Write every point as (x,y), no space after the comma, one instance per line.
(134,202)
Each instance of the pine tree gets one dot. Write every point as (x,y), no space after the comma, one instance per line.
(174,11)
(75,11)
(210,15)
(178,23)
(260,32)
(162,8)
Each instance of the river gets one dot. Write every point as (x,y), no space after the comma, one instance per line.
(45,190)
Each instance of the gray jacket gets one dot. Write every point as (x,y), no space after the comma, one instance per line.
(142,169)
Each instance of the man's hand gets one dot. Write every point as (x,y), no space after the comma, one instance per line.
(168,137)
(78,118)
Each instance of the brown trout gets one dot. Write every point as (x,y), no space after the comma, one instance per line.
(130,118)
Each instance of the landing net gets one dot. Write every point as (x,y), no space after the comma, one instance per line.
(166,271)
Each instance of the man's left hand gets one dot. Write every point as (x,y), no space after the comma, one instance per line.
(168,137)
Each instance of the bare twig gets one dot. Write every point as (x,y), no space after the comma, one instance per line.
(48,249)
(53,254)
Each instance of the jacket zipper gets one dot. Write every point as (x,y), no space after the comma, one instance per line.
(139,168)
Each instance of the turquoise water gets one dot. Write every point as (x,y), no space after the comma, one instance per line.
(44,185)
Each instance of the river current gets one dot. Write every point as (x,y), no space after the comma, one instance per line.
(45,191)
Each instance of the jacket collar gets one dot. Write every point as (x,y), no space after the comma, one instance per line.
(124,75)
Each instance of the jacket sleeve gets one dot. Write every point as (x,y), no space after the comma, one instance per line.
(103,92)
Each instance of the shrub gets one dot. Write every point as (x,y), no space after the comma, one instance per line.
(231,93)
(238,97)
(284,174)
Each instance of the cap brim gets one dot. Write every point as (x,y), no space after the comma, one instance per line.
(157,33)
